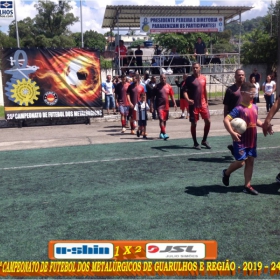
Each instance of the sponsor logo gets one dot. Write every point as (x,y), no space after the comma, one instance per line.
(6,9)
(50,98)
(175,251)
(83,250)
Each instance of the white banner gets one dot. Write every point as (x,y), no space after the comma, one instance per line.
(7,9)
(182,24)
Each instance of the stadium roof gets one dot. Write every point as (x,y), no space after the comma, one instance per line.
(129,16)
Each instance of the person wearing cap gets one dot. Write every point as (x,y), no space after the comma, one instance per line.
(256,75)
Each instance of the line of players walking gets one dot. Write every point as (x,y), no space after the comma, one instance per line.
(132,103)
(136,98)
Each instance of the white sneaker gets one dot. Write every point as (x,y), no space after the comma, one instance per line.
(123,129)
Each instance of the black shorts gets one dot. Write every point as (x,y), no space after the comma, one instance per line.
(142,123)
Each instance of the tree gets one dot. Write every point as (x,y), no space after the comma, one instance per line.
(109,34)
(53,19)
(135,43)
(26,30)
(183,42)
(93,39)
(49,28)
(6,41)
(259,47)
(105,64)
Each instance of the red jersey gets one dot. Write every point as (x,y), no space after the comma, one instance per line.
(123,50)
(121,93)
(162,93)
(134,92)
(196,89)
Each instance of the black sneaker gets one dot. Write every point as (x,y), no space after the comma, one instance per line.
(278,178)
(250,190)
(230,147)
(197,147)
(138,133)
(205,144)
(225,178)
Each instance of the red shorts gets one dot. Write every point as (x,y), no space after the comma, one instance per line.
(202,111)
(163,114)
(132,113)
(184,104)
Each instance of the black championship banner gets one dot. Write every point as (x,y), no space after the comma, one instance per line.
(51,83)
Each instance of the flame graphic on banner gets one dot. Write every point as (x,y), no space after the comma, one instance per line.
(73,74)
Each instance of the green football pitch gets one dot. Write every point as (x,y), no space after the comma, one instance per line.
(149,190)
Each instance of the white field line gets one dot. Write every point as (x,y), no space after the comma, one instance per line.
(121,159)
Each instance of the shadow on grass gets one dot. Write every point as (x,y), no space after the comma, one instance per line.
(171,147)
(214,159)
(139,138)
(272,189)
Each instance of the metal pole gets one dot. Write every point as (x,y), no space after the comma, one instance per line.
(18,45)
(81,16)
(278,53)
(239,43)
(119,59)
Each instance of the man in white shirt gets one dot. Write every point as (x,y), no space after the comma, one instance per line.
(108,88)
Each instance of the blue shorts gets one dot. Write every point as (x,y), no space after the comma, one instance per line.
(243,153)
(124,110)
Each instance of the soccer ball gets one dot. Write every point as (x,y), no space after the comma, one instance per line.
(238,125)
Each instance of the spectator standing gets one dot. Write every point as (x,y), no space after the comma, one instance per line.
(173,52)
(139,59)
(257,86)
(200,51)
(268,88)
(162,92)
(108,88)
(184,105)
(120,53)
(256,74)
(150,94)
(274,78)
(121,100)
(146,78)
(196,95)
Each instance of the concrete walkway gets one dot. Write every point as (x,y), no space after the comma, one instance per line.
(215,106)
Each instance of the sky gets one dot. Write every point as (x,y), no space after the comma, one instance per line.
(93,10)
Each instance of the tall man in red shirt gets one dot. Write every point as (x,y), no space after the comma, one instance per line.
(196,94)
(133,96)
(121,100)
(162,91)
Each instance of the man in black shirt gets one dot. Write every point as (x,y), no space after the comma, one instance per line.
(200,50)
(233,96)
(256,75)
(139,62)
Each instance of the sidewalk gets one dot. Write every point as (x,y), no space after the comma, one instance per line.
(216,107)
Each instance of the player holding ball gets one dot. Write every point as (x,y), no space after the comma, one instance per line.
(244,145)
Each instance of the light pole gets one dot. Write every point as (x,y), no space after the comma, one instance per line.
(81,16)
(18,45)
